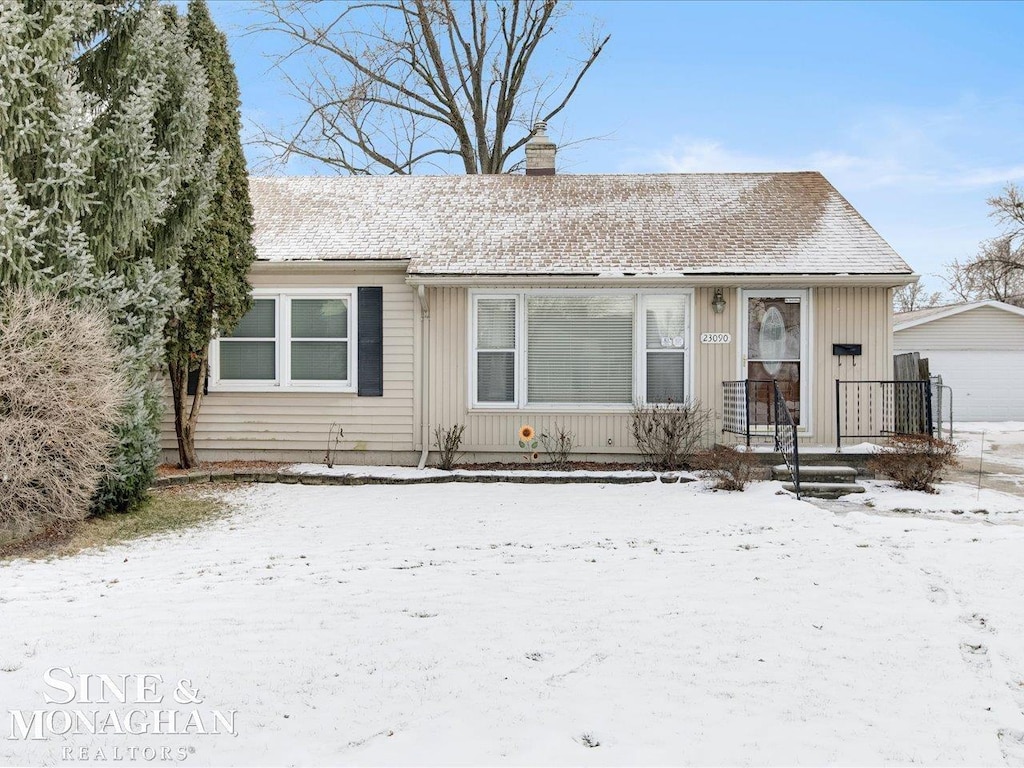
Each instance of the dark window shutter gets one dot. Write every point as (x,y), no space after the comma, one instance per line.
(370,326)
(193,382)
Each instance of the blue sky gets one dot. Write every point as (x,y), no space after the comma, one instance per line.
(915,111)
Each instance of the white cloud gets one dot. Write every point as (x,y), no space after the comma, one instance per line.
(958,148)
(921,178)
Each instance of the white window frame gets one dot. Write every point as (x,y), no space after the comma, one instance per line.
(521,400)
(806,364)
(248,384)
(283,341)
(474,350)
(686,350)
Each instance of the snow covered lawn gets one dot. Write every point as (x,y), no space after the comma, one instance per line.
(569,624)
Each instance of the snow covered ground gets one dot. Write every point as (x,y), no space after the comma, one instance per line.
(476,624)
(1002,441)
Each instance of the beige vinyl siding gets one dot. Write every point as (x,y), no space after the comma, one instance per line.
(982,328)
(854,315)
(847,315)
(296,424)
(255,425)
(495,429)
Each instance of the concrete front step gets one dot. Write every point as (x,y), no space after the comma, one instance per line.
(824,490)
(817,474)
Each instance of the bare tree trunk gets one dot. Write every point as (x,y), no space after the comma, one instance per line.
(185,423)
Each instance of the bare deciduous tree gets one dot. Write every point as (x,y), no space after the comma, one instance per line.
(391,86)
(997,272)
(910,297)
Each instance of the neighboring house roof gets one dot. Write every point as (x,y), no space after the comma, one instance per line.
(904,320)
(571,224)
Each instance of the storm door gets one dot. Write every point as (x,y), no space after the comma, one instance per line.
(776,350)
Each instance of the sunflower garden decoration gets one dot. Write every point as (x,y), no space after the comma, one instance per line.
(528,442)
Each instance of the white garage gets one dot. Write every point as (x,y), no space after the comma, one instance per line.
(978,349)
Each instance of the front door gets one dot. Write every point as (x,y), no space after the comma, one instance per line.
(775,350)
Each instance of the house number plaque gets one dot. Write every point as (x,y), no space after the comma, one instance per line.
(715,338)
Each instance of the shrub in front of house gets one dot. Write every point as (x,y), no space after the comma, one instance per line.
(915,462)
(731,470)
(448,441)
(559,444)
(668,435)
(60,393)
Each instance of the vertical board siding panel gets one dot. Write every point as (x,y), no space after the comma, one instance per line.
(714,363)
(856,315)
(417,381)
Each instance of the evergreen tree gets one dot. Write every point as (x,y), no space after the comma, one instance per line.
(215,264)
(46,147)
(102,114)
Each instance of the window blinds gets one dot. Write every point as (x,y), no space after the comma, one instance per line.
(250,352)
(496,350)
(319,343)
(665,318)
(579,349)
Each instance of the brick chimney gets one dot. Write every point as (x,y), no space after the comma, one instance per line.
(540,152)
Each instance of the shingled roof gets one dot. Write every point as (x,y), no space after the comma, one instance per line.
(655,224)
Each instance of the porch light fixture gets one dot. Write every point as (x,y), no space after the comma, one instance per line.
(718,302)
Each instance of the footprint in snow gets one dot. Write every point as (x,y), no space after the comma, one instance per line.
(1011,743)
(937,595)
(975,654)
(977,621)
(587,740)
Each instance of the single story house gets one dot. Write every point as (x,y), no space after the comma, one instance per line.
(978,350)
(392,305)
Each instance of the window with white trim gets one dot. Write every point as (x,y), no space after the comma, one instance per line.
(297,340)
(319,340)
(249,353)
(579,349)
(495,349)
(667,344)
(576,348)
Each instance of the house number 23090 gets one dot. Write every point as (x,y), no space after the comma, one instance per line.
(715,338)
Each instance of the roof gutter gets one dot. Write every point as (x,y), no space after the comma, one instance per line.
(331,265)
(626,280)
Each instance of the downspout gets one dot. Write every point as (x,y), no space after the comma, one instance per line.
(421,292)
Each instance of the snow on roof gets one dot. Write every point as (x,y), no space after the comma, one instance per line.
(652,224)
(904,320)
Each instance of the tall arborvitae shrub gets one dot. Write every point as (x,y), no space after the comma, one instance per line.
(152,184)
(102,115)
(215,264)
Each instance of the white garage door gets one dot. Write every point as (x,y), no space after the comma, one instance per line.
(987,386)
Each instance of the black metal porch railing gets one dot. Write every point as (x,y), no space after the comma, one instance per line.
(749,408)
(735,411)
(786,438)
(868,409)
(759,409)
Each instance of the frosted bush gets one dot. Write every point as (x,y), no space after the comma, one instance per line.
(60,392)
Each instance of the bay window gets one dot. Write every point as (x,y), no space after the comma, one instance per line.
(575,348)
(293,340)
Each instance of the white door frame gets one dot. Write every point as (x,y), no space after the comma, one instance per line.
(806,370)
